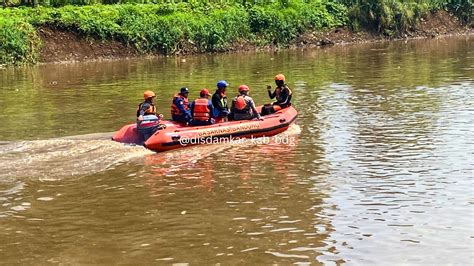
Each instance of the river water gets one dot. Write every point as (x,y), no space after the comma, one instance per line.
(378,170)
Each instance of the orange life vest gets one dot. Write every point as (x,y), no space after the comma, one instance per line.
(174,109)
(276,108)
(241,105)
(150,111)
(201,109)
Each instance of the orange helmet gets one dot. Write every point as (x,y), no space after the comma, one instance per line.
(280,77)
(148,94)
(243,88)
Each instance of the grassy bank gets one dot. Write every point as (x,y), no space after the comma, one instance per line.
(200,27)
(166,28)
(397,16)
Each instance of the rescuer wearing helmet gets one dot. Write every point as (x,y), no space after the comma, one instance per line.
(202,109)
(147,118)
(243,106)
(219,101)
(282,94)
(180,107)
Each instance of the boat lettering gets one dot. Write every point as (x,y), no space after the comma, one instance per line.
(228,129)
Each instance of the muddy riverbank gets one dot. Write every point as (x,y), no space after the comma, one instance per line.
(64,45)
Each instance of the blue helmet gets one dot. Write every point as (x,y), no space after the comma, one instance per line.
(184,90)
(222,84)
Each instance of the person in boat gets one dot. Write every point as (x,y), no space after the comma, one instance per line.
(147,118)
(219,101)
(202,109)
(180,107)
(243,106)
(282,94)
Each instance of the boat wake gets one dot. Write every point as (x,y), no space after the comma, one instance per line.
(60,158)
(83,155)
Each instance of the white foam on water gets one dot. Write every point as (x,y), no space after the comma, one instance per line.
(56,159)
(293,130)
(82,155)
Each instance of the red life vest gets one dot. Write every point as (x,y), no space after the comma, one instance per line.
(174,109)
(201,109)
(150,111)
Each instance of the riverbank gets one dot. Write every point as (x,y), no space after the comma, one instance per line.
(434,25)
(60,45)
(101,32)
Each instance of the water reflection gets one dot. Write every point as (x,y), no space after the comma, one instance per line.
(380,170)
(395,179)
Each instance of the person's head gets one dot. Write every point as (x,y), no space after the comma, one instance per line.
(184,92)
(222,85)
(244,89)
(280,80)
(204,93)
(149,96)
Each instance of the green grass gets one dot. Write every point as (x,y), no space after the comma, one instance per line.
(166,28)
(207,26)
(18,41)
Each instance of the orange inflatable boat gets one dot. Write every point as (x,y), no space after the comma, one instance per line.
(174,135)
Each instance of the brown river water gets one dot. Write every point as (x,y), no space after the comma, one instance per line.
(378,170)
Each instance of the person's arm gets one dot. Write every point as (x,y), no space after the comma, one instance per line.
(211,108)
(142,111)
(232,106)
(180,104)
(191,107)
(217,103)
(219,106)
(160,116)
(214,109)
(270,94)
(254,110)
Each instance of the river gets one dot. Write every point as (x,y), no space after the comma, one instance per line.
(378,170)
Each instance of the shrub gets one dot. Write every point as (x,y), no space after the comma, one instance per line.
(18,41)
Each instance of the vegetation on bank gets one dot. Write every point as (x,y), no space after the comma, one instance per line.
(397,16)
(167,28)
(203,27)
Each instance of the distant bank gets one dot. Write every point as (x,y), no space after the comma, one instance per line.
(96,32)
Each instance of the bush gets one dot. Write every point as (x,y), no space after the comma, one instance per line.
(462,8)
(18,41)
(396,16)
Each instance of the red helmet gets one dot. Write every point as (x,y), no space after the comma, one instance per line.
(243,88)
(204,92)
(148,94)
(280,77)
